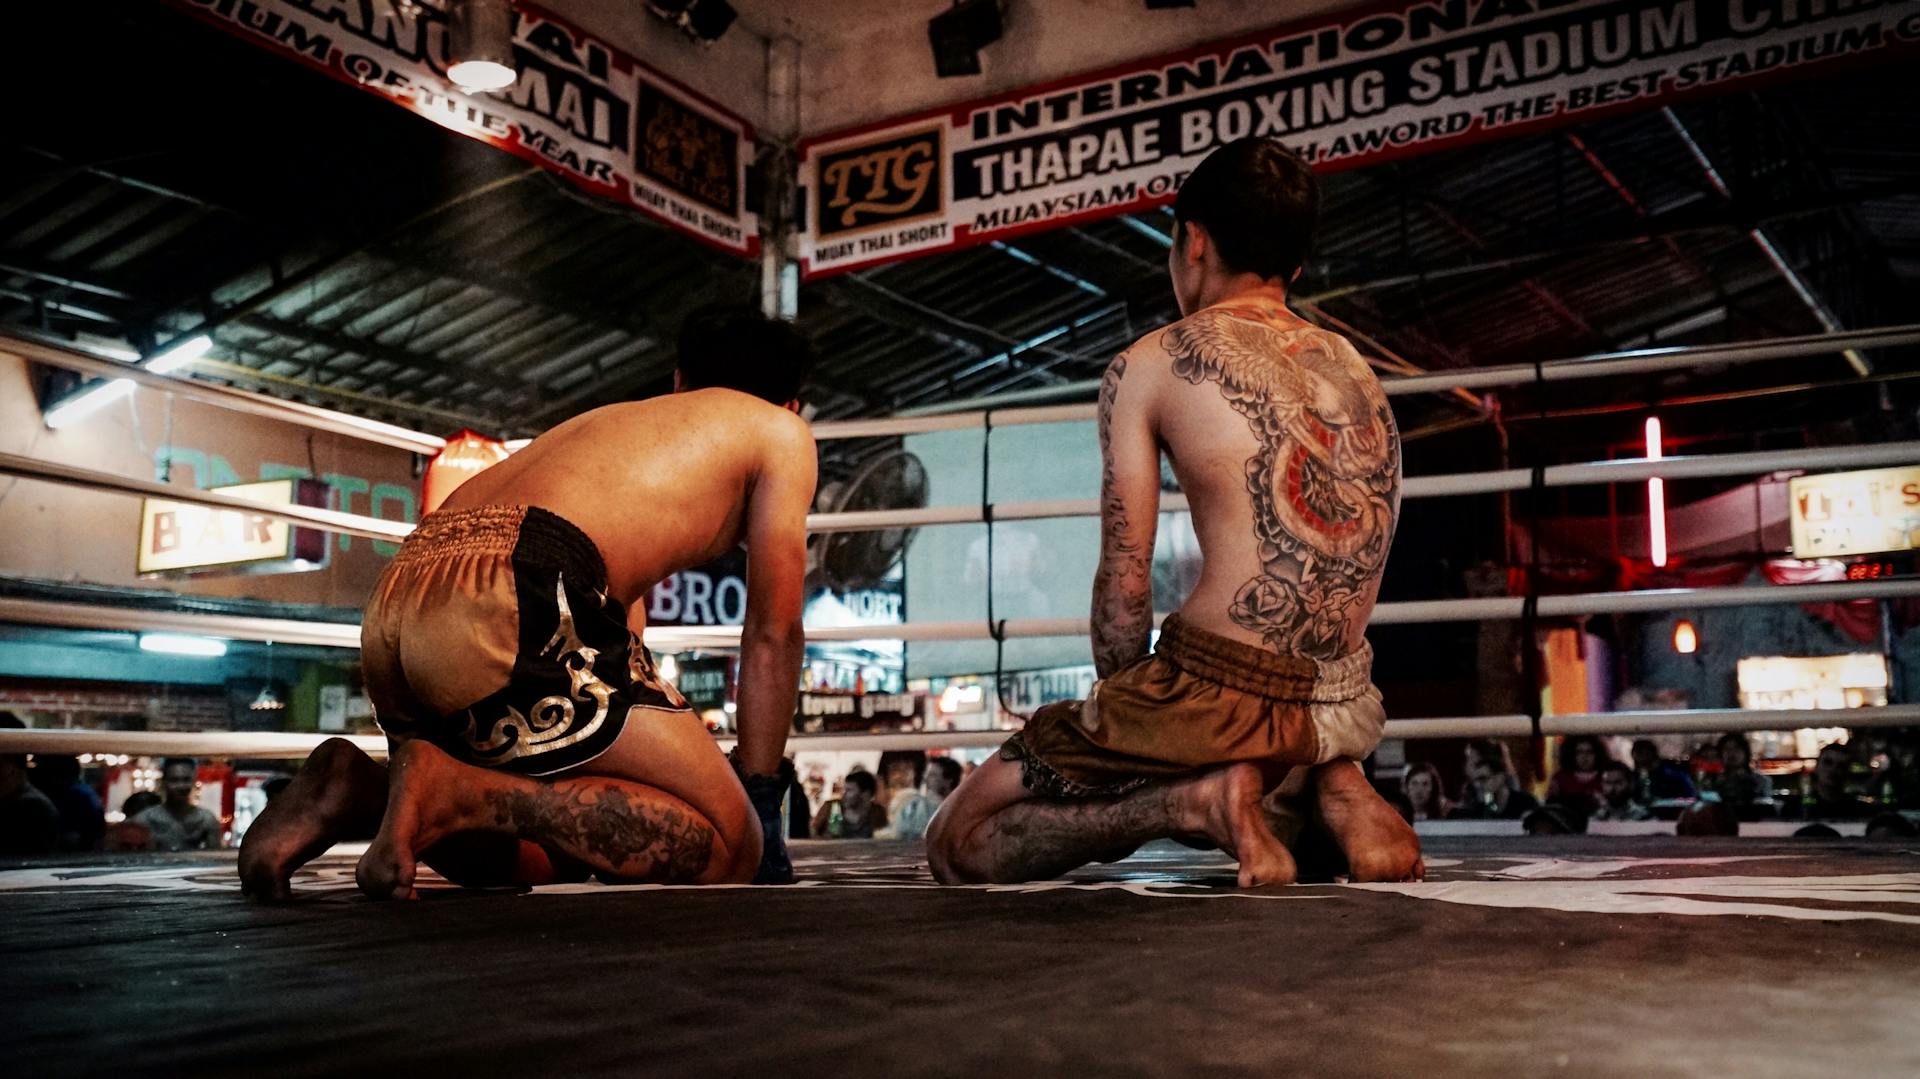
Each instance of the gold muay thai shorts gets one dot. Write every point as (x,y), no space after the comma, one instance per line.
(1197,701)
(491,635)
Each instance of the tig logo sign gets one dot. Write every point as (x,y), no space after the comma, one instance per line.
(876,184)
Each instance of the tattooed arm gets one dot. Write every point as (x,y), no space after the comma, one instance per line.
(1129,513)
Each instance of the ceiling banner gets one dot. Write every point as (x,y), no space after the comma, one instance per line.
(1368,86)
(580,108)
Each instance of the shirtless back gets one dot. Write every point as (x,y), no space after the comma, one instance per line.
(662,484)
(1282,439)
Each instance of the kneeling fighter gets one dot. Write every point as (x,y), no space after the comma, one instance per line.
(1283,442)
(533,739)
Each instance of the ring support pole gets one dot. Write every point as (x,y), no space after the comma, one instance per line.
(267,745)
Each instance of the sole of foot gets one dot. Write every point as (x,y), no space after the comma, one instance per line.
(1379,845)
(336,795)
(416,774)
(1224,804)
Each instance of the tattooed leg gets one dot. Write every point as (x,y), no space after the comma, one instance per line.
(621,829)
(1038,839)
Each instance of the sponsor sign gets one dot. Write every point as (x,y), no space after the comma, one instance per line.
(1365,87)
(703,682)
(180,539)
(580,108)
(1851,513)
(818,712)
(1857,680)
(715,594)
(1028,690)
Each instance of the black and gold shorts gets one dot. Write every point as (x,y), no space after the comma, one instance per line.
(492,636)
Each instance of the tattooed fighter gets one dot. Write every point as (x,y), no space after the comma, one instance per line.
(533,739)
(1261,684)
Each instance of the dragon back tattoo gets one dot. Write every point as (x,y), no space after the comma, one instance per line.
(1324,482)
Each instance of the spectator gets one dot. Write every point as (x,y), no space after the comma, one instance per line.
(911,815)
(853,815)
(1577,783)
(1830,798)
(1817,831)
(82,820)
(137,803)
(127,835)
(29,822)
(1486,751)
(899,775)
(1421,785)
(176,823)
(1555,818)
(1616,795)
(1495,797)
(1655,780)
(1746,791)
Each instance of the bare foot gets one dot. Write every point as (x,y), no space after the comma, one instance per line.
(1224,805)
(419,777)
(337,795)
(1378,844)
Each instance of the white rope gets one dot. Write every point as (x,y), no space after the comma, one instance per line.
(294,745)
(311,516)
(256,404)
(1629,470)
(1602,365)
(683,638)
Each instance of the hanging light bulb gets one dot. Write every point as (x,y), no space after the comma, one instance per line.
(480,43)
(1685,640)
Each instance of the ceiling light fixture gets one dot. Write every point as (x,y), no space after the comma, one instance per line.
(182,644)
(93,398)
(480,43)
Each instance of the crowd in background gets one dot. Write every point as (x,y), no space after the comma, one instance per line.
(1872,777)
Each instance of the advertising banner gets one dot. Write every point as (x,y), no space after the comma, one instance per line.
(179,538)
(1364,87)
(1852,513)
(579,108)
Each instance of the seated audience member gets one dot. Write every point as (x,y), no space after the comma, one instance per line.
(853,815)
(899,776)
(1616,795)
(29,821)
(1830,797)
(1891,826)
(176,823)
(1656,780)
(1494,795)
(1480,751)
(1421,785)
(1577,783)
(137,803)
(1709,819)
(1749,793)
(1817,831)
(82,820)
(912,814)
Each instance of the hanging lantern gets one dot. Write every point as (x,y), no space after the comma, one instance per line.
(465,456)
(1685,640)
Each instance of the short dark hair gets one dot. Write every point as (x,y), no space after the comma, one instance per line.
(1616,766)
(175,762)
(735,348)
(948,767)
(1259,201)
(863,779)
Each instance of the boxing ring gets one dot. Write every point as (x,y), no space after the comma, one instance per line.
(679,638)
(1624,954)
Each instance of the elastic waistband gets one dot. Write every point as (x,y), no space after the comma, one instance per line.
(526,533)
(1237,665)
